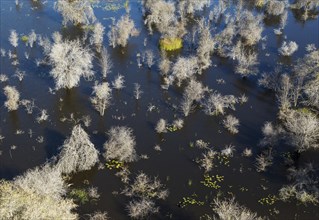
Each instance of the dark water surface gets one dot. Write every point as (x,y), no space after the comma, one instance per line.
(174,165)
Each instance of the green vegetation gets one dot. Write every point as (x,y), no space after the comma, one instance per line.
(170,44)
(79,195)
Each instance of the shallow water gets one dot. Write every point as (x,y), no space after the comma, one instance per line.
(174,165)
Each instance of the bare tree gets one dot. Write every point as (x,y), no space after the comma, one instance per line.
(70,62)
(75,11)
(303,129)
(137,91)
(230,209)
(121,31)
(274,7)
(118,82)
(77,153)
(287,49)
(184,68)
(105,62)
(142,208)
(102,97)
(97,36)
(194,92)
(120,144)
(32,38)
(231,123)
(13,97)
(161,126)
(216,103)
(14,38)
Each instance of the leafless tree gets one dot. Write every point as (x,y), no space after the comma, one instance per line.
(120,144)
(14,38)
(78,152)
(121,31)
(287,49)
(137,91)
(75,11)
(102,97)
(184,68)
(105,62)
(231,123)
(13,97)
(118,83)
(70,62)
(161,126)
(216,103)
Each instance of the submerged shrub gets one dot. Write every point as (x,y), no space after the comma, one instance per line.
(13,97)
(70,62)
(77,153)
(102,97)
(97,36)
(118,83)
(120,145)
(75,11)
(287,49)
(121,31)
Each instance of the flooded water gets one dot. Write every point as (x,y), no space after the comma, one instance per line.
(175,165)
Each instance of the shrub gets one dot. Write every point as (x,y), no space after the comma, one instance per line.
(165,64)
(102,97)
(120,145)
(207,160)
(70,62)
(287,49)
(229,209)
(75,11)
(231,123)
(13,97)
(14,38)
(121,31)
(77,153)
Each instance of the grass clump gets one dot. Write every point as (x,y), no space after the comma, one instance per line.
(170,44)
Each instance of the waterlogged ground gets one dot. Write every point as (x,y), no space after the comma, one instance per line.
(28,143)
